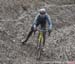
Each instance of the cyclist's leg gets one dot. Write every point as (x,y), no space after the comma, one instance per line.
(29,34)
(37,36)
(44,38)
(43,26)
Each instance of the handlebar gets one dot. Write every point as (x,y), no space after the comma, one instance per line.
(42,30)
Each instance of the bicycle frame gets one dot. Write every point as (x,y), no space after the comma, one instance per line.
(40,37)
(40,42)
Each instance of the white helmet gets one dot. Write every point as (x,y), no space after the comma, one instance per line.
(42,11)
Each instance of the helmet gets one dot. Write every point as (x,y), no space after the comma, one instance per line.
(42,11)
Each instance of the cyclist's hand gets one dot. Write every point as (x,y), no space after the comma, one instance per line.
(49,31)
(35,28)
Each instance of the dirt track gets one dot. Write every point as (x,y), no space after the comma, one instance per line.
(16,18)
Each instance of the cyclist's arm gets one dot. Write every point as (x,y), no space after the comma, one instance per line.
(35,20)
(49,22)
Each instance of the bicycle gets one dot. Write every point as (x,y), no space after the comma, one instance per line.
(40,41)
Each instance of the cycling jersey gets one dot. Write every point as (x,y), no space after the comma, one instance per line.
(42,20)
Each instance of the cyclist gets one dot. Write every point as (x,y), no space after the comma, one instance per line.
(41,19)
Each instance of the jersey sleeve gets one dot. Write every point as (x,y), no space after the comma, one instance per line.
(35,20)
(49,22)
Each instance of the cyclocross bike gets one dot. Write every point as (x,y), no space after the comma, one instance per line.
(40,41)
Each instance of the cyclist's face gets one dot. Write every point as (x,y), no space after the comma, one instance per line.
(42,15)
